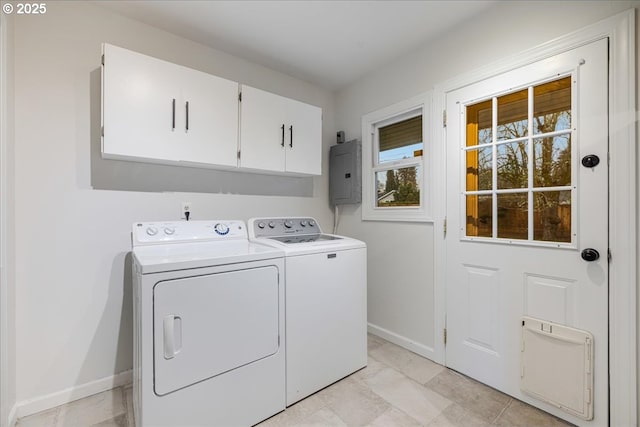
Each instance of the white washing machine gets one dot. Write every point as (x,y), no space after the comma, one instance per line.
(326,302)
(209,325)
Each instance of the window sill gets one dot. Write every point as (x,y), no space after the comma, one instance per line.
(386,217)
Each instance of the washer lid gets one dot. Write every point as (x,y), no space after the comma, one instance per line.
(329,243)
(305,238)
(181,256)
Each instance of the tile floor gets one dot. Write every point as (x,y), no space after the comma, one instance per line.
(397,388)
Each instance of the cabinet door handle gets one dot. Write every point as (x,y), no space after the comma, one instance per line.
(173,114)
(187,110)
(291,135)
(282,135)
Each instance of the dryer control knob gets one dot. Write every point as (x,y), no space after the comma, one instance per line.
(303,223)
(221,229)
(272,224)
(152,231)
(312,223)
(169,231)
(288,223)
(261,225)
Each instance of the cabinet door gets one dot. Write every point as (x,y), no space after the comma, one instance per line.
(138,93)
(263,130)
(208,118)
(304,138)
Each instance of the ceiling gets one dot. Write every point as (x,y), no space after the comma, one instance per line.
(327,43)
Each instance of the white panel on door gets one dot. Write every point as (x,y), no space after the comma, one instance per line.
(207,325)
(557,366)
(549,298)
(482,306)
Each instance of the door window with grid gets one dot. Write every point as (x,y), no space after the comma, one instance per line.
(519,170)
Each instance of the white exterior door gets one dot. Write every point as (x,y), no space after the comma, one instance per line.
(522,209)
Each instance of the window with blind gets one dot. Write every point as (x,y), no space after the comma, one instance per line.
(395,167)
(397,173)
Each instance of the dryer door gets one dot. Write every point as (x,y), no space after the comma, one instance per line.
(207,325)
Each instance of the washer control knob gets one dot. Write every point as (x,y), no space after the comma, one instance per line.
(169,231)
(261,225)
(288,223)
(152,231)
(312,223)
(303,223)
(221,229)
(272,224)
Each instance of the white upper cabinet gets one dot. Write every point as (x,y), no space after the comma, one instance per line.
(209,107)
(154,110)
(137,101)
(279,134)
(304,152)
(262,130)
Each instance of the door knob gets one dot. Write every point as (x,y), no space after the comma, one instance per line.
(590,161)
(590,254)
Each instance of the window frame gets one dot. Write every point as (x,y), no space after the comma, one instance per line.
(370,161)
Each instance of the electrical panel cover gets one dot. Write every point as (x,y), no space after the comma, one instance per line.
(345,173)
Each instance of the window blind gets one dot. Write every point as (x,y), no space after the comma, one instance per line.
(401,134)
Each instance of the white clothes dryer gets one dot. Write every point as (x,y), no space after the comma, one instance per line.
(209,325)
(326,302)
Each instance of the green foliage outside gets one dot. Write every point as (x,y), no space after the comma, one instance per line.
(404,182)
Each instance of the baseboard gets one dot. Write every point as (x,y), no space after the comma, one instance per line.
(13,416)
(42,403)
(418,348)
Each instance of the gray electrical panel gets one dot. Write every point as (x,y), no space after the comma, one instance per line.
(345,173)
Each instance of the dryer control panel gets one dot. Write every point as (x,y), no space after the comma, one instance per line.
(150,233)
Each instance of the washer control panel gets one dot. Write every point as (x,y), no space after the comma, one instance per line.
(270,227)
(149,233)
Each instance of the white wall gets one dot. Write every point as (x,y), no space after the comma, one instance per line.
(7,278)
(401,282)
(74,316)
